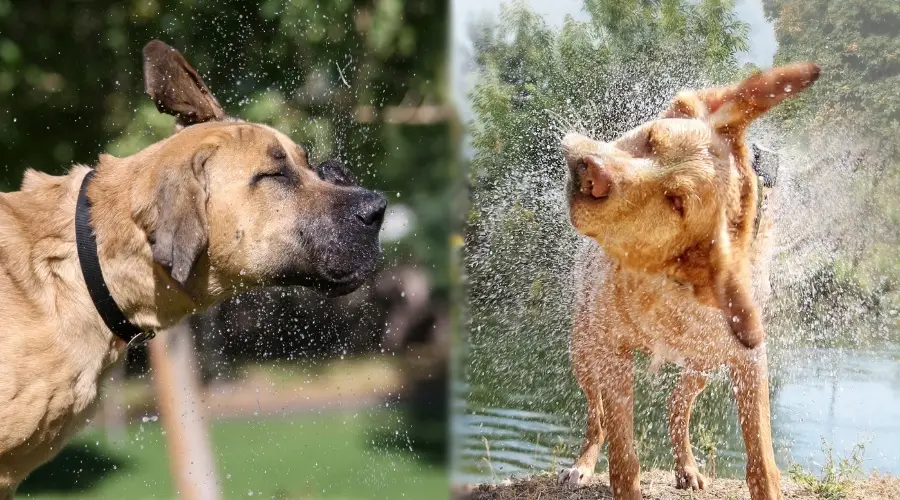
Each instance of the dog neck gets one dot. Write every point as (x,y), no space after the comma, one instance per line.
(143,289)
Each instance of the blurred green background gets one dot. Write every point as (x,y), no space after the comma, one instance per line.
(313,398)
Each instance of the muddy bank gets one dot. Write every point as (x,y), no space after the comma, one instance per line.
(660,485)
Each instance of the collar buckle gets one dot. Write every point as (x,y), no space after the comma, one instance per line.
(141,339)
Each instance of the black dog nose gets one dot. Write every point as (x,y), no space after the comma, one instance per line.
(370,210)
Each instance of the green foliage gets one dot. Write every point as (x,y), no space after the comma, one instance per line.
(836,478)
(71,87)
(855,102)
(856,46)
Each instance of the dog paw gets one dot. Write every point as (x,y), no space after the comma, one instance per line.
(572,477)
(689,478)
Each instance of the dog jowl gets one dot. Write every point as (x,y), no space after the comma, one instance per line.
(675,271)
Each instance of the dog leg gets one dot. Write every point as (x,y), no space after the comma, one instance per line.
(749,374)
(687,475)
(616,379)
(593,439)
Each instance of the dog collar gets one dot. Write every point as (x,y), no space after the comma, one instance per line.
(86,243)
(765,164)
(759,207)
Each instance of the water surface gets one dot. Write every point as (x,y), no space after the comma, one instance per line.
(843,397)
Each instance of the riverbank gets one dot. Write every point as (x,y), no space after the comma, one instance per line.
(660,485)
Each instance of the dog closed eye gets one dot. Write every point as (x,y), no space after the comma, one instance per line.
(281,170)
(283,174)
(268,175)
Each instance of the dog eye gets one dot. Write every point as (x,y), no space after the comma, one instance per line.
(278,175)
(651,142)
(677,203)
(279,154)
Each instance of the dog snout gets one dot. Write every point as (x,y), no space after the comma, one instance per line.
(592,177)
(370,210)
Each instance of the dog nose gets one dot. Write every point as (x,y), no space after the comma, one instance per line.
(596,180)
(371,209)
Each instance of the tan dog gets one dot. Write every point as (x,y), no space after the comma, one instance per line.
(220,206)
(672,205)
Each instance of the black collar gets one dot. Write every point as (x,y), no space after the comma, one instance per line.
(86,242)
(765,163)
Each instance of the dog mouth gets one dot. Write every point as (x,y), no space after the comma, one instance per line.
(327,283)
(334,282)
(334,286)
(340,273)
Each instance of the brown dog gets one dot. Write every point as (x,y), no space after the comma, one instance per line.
(221,206)
(673,207)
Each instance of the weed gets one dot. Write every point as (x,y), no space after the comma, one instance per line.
(836,477)
(487,457)
(707,443)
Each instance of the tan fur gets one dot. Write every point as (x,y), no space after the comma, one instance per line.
(676,271)
(187,205)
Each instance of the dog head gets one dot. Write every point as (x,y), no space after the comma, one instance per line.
(677,195)
(246,196)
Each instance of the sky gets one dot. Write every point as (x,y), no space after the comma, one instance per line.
(762,35)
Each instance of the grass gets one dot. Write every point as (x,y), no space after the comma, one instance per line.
(328,455)
(837,478)
(708,443)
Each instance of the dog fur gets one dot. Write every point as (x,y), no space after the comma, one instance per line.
(220,206)
(676,271)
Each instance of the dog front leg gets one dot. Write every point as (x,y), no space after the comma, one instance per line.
(749,374)
(616,378)
(690,384)
(584,365)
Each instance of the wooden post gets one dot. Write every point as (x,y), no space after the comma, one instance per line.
(113,409)
(176,376)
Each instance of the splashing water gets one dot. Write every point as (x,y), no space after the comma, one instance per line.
(519,408)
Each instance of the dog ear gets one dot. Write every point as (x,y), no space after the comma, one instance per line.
(736,301)
(731,109)
(181,226)
(176,88)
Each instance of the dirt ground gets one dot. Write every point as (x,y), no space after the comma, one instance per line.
(660,485)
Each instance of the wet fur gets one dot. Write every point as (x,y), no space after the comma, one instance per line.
(676,271)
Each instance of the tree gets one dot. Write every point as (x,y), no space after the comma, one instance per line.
(855,44)
(849,123)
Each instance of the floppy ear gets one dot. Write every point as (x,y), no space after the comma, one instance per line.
(181,225)
(731,109)
(737,304)
(176,88)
